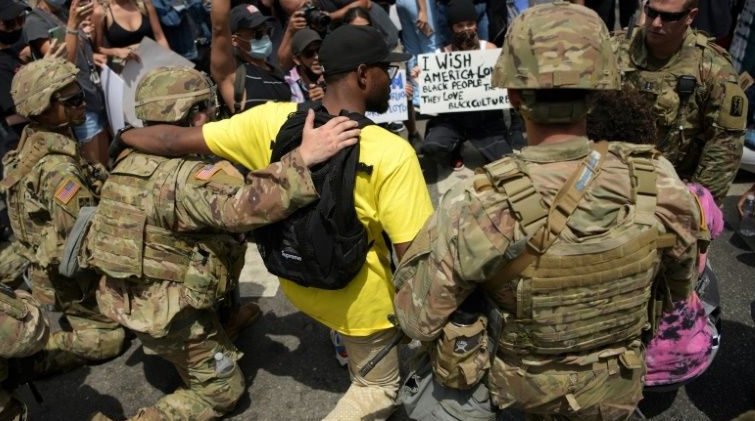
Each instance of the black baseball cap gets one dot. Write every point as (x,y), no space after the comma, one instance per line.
(246,16)
(348,46)
(11,9)
(302,38)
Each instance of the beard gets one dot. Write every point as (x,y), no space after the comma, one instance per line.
(378,103)
(465,40)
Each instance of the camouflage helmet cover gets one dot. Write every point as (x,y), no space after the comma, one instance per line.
(35,83)
(557,45)
(166,94)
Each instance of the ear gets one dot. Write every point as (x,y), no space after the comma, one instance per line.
(199,119)
(362,75)
(234,40)
(515,98)
(296,60)
(691,16)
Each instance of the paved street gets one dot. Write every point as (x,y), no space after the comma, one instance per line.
(292,374)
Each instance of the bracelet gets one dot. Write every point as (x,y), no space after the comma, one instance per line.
(72,31)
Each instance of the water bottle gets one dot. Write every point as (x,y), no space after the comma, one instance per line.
(223,364)
(747,225)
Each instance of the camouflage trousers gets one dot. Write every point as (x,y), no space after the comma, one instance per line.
(88,340)
(590,387)
(372,397)
(194,338)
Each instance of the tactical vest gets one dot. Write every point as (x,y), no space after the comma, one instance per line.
(581,296)
(29,216)
(133,235)
(678,112)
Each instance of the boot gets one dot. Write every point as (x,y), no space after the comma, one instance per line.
(241,318)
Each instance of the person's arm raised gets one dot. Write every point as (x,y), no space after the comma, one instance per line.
(222,62)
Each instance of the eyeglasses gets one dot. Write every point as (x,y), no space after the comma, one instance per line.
(309,53)
(75,100)
(665,16)
(261,32)
(257,34)
(391,69)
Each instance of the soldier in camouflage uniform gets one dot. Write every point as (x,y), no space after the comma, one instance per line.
(563,238)
(160,236)
(700,109)
(23,332)
(46,184)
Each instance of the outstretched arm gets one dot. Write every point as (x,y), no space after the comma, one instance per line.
(318,144)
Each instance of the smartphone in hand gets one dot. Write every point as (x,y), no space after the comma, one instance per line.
(58,33)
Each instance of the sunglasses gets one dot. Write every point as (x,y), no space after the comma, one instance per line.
(76,100)
(309,53)
(391,69)
(665,16)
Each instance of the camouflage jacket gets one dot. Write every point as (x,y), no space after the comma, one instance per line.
(160,233)
(701,133)
(473,234)
(46,183)
(23,327)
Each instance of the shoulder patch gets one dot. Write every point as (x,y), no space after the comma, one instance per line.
(206,172)
(67,191)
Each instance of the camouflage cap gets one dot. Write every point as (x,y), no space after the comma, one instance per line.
(33,86)
(557,45)
(166,94)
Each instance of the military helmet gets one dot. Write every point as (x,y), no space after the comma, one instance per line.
(558,45)
(166,94)
(35,83)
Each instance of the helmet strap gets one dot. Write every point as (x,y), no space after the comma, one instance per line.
(552,112)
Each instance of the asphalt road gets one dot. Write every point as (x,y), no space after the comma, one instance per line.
(292,374)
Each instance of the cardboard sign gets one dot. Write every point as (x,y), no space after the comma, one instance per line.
(397,108)
(459,81)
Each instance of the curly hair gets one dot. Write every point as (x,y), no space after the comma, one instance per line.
(624,115)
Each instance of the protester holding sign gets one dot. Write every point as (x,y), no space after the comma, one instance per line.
(485,129)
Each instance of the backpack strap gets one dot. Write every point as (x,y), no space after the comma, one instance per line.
(564,204)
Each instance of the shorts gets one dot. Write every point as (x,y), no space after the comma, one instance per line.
(91,127)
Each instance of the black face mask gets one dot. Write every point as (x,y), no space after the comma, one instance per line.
(465,40)
(10,38)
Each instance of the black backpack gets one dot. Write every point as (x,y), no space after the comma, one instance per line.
(322,245)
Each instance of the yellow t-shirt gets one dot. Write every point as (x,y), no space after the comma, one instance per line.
(393,199)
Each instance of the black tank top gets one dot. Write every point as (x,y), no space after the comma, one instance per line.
(118,37)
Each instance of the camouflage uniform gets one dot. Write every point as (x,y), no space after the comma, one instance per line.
(160,236)
(46,183)
(708,148)
(572,317)
(23,332)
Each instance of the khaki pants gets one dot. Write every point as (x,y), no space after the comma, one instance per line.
(373,397)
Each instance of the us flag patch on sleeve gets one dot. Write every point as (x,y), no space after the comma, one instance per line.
(207,172)
(67,191)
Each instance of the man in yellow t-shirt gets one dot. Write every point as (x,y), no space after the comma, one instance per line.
(393,199)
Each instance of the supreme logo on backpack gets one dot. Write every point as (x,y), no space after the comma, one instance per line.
(323,245)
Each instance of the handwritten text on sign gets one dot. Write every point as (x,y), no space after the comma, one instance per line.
(459,81)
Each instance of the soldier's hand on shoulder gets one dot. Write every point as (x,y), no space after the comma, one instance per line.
(321,143)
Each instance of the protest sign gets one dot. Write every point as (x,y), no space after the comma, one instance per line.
(459,81)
